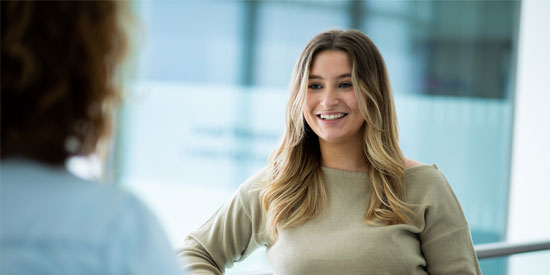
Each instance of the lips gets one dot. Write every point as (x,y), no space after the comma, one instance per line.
(331,116)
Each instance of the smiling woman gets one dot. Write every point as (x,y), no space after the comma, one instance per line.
(330,108)
(338,196)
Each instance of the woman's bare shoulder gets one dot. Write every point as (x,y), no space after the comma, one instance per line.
(411,163)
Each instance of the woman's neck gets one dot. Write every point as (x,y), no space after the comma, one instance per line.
(343,156)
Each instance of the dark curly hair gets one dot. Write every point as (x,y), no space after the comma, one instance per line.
(60,62)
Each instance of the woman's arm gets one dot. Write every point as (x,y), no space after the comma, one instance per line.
(446,241)
(230,235)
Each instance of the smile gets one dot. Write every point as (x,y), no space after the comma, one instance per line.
(331,116)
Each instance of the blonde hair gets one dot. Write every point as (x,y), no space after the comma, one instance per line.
(295,190)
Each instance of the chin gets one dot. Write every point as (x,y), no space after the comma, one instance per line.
(333,139)
(339,138)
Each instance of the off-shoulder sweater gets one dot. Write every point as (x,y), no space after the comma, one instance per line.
(338,240)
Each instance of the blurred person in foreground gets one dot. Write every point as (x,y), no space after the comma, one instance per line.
(60,62)
(338,196)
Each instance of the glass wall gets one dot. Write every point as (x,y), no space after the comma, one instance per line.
(207,105)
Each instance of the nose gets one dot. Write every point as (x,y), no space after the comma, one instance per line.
(330,98)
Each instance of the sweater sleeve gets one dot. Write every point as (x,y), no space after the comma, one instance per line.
(230,235)
(446,241)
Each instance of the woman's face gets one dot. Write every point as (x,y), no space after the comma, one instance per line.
(330,107)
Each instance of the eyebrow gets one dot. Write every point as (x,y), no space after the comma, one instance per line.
(312,76)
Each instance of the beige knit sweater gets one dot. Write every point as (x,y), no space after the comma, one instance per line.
(339,241)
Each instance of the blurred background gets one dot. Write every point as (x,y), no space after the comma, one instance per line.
(205,106)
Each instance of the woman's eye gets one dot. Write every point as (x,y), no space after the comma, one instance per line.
(314,86)
(345,85)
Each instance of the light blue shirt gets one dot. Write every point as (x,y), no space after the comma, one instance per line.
(55,223)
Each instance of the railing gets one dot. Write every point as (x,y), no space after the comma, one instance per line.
(500,249)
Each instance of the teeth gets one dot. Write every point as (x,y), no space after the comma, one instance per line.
(331,116)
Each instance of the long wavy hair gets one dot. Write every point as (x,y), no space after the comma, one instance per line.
(295,191)
(60,70)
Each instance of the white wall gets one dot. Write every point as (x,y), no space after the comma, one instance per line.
(529,212)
